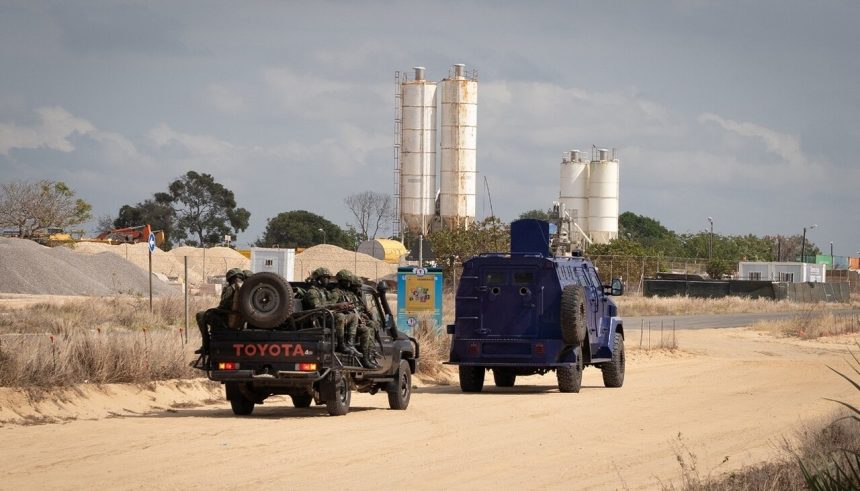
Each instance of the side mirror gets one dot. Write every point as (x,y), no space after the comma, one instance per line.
(617,288)
(382,287)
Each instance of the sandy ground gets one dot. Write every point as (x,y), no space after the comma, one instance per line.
(730,396)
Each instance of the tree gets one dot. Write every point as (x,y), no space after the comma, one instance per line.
(300,228)
(717,268)
(547,215)
(156,212)
(372,211)
(646,230)
(204,209)
(460,244)
(32,207)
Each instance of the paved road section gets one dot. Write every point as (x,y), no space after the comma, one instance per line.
(713,321)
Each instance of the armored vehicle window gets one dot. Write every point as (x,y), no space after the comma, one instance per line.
(495,278)
(580,276)
(524,278)
(592,274)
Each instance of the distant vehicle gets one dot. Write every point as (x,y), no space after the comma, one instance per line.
(131,235)
(532,312)
(283,349)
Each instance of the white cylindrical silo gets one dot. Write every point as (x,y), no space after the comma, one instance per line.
(603,198)
(418,153)
(459,149)
(573,192)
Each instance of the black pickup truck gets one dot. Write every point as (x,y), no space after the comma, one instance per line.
(283,349)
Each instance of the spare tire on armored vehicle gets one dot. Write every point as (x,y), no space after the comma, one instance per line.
(266,300)
(573,323)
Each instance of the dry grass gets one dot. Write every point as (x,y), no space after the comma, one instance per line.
(814,443)
(98,340)
(637,305)
(122,313)
(435,346)
(92,357)
(811,324)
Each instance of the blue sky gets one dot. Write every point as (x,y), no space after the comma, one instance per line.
(743,111)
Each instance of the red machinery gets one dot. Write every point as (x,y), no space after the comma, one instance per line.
(132,235)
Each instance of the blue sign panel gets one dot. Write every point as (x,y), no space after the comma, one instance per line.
(419,297)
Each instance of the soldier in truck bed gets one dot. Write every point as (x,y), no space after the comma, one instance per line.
(346,320)
(367,326)
(318,295)
(220,317)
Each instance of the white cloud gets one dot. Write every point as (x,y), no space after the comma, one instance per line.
(785,146)
(196,145)
(53,130)
(299,92)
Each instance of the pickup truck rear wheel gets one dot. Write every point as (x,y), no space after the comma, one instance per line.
(570,378)
(504,377)
(302,400)
(339,404)
(266,300)
(242,406)
(471,378)
(572,319)
(613,371)
(401,388)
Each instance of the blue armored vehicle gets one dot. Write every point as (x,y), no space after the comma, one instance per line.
(533,311)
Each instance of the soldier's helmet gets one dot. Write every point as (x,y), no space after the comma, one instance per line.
(247,273)
(355,281)
(319,273)
(232,273)
(344,276)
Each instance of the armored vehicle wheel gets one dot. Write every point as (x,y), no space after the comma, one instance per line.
(339,404)
(266,300)
(570,378)
(242,406)
(401,388)
(302,400)
(471,378)
(613,371)
(572,319)
(504,377)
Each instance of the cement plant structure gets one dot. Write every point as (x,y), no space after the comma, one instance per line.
(419,207)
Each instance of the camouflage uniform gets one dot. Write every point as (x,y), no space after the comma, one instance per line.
(368,326)
(346,321)
(221,317)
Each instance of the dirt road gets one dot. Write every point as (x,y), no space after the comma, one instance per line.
(731,394)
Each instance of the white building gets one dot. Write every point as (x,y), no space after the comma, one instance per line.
(274,260)
(786,272)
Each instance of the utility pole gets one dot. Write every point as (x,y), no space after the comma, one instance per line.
(803,243)
(711,239)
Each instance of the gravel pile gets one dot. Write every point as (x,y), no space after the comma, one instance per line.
(138,254)
(27,267)
(211,261)
(334,258)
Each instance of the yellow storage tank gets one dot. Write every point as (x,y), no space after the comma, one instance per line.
(386,250)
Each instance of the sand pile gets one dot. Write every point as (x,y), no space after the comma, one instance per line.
(334,258)
(212,261)
(27,267)
(138,254)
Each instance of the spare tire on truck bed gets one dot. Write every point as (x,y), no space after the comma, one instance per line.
(266,300)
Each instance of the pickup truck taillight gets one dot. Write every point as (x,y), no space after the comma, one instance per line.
(228,366)
(306,367)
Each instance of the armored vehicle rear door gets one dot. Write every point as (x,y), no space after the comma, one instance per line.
(509,301)
(596,301)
